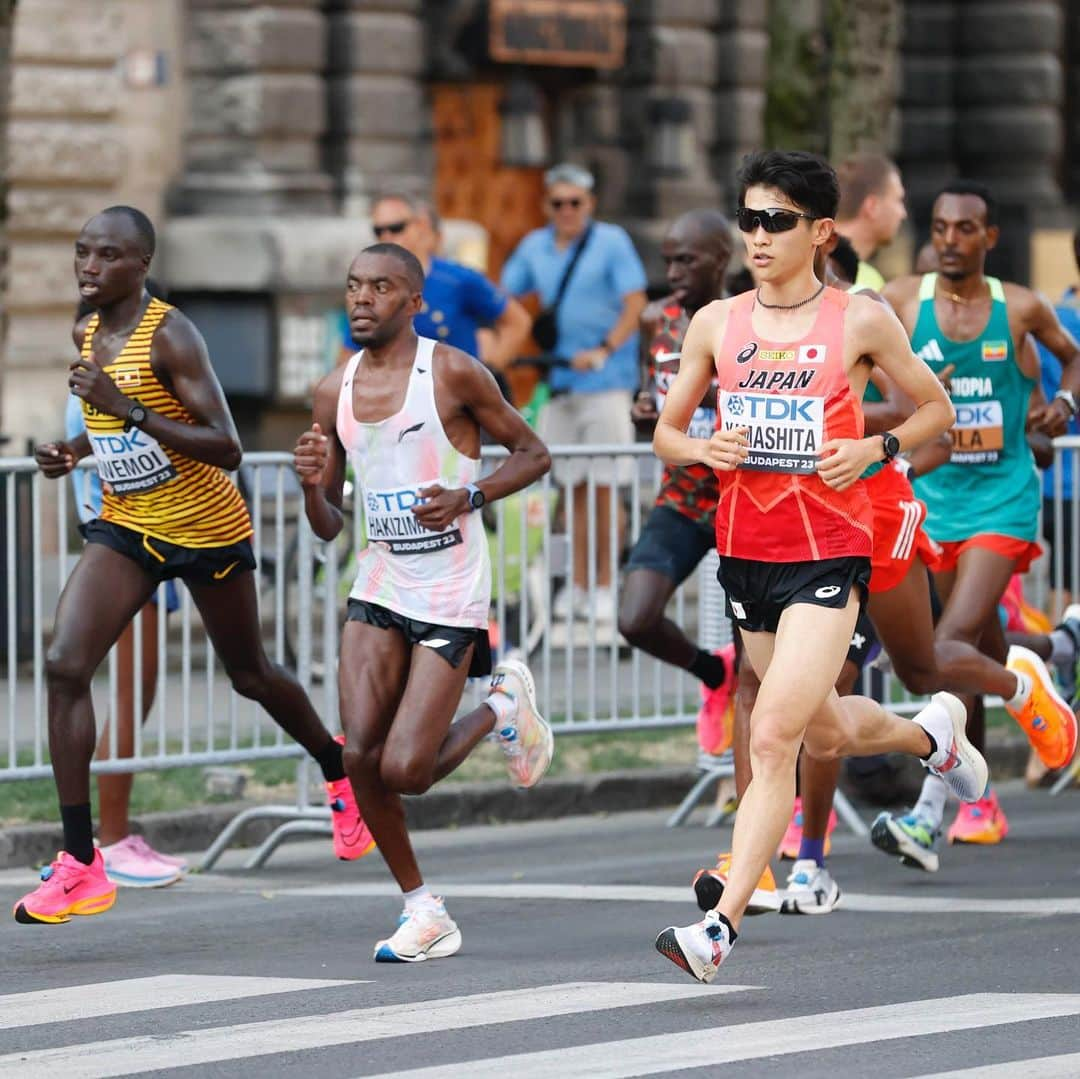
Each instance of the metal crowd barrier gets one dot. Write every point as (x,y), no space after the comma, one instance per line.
(588,679)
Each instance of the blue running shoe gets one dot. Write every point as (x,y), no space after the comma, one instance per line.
(912,839)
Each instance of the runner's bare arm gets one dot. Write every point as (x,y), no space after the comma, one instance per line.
(893,408)
(727,448)
(1040,319)
(319,459)
(1042,445)
(643,409)
(179,358)
(878,334)
(477,395)
(902,295)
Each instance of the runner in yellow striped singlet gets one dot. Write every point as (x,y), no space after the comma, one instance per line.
(160,430)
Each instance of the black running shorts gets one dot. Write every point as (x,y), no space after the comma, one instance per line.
(450,642)
(759,592)
(671,544)
(163,561)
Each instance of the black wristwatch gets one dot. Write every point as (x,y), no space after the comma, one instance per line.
(477,499)
(136,416)
(890,444)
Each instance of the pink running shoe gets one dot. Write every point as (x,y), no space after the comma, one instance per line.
(352,839)
(67,887)
(133,863)
(981,822)
(792,841)
(714,728)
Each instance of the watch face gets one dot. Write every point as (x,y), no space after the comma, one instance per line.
(476,499)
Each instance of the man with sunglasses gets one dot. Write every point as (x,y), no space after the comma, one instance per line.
(597,334)
(793,521)
(458,301)
(983,506)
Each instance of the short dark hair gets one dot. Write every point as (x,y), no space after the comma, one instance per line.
(144,227)
(711,229)
(807,180)
(860,176)
(846,257)
(979,190)
(410,263)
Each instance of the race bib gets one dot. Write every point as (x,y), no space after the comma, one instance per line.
(978,436)
(130,462)
(703,422)
(784,432)
(389,521)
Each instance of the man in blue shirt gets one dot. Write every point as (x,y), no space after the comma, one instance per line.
(597,322)
(458,301)
(1068,312)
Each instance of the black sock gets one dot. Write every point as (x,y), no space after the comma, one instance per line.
(933,745)
(709,669)
(329,760)
(78,832)
(731,932)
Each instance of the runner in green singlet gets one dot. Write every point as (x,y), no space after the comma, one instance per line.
(983,505)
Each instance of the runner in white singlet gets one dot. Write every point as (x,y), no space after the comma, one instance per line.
(407,413)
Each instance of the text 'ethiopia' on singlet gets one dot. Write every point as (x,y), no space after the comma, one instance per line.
(990,485)
(793,396)
(688,489)
(437,577)
(148,487)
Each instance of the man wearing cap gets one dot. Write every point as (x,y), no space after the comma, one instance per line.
(596,321)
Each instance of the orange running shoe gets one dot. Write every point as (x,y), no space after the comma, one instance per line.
(1044,717)
(709,887)
(792,841)
(67,887)
(979,822)
(352,839)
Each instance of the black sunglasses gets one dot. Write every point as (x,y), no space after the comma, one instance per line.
(396,229)
(771,220)
(558,204)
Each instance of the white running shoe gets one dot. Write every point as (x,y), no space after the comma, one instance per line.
(956,761)
(525,737)
(699,948)
(425,933)
(810,889)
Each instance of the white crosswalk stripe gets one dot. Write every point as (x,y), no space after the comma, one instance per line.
(125,1056)
(1065,1066)
(140,995)
(750,1041)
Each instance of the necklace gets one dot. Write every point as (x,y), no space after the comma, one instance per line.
(955,297)
(789,306)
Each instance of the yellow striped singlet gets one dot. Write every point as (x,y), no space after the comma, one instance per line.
(148,487)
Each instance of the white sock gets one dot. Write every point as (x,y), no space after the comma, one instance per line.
(932,799)
(1023,690)
(503,705)
(419,897)
(1062,649)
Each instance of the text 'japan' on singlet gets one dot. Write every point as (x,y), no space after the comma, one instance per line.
(793,396)
(148,487)
(437,577)
(990,485)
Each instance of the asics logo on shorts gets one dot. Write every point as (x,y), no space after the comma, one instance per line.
(435,642)
(738,609)
(828,591)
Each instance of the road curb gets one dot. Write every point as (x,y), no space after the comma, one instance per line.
(452,805)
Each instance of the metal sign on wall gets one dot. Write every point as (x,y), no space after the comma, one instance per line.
(570,33)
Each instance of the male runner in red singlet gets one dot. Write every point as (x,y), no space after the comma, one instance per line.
(794,524)
(680,530)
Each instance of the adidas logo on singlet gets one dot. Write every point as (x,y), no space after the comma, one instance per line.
(931,352)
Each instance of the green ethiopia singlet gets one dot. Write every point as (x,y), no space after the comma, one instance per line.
(990,485)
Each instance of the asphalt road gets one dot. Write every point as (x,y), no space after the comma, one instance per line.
(975,969)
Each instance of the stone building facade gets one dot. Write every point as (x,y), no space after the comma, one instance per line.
(255,132)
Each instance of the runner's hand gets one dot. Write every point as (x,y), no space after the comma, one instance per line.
(1049,418)
(88,381)
(589,359)
(726,449)
(55,459)
(441,508)
(643,412)
(310,456)
(843,460)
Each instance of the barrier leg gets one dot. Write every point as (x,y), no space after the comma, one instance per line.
(230,831)
(846,812)
(319,826)
(1067,778)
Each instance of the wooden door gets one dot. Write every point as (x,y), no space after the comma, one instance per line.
(472,183)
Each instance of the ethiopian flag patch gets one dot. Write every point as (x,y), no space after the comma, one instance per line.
(995,350)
